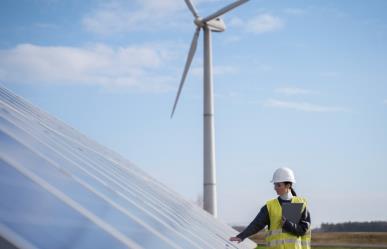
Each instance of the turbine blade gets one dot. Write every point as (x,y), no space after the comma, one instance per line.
(224,10)
(191,54)
(192,8)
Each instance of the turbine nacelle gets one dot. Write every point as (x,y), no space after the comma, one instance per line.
(216,25)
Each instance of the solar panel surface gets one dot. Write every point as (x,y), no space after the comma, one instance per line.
(60,189)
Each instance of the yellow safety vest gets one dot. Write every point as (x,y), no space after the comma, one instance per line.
(278,239)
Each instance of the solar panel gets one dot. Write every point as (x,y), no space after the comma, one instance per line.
(60,189)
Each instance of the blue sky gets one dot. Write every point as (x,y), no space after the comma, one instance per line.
(301,84)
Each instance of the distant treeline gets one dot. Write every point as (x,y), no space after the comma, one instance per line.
(368,226)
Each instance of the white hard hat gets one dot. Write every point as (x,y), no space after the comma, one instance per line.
(283,175)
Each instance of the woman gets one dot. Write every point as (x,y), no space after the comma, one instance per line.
(282,233)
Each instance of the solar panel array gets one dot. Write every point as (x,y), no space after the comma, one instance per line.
(60,189)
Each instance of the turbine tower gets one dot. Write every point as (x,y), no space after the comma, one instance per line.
(211,23)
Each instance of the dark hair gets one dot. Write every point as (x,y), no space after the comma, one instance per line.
(291,188)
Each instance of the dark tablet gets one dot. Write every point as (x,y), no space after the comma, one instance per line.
(292,211)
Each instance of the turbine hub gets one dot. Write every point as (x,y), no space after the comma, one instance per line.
(198,22)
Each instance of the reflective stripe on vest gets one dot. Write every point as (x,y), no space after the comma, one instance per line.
(273,232)
(278,239)
(297,242)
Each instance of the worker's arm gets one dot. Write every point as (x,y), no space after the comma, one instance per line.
(301,228)
(260,221)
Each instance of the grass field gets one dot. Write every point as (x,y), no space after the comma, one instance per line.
(328,247)
(340,240)
(332,247)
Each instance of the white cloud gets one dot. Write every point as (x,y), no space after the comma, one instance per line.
(121,16)
(262,23)
(118,16)
(293,91)
(385,101)
(302,106)
(135,67)
(236,22)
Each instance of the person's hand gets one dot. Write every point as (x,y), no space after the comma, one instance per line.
(239,240)
(235,239)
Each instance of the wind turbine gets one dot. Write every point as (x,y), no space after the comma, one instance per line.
(211,23)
